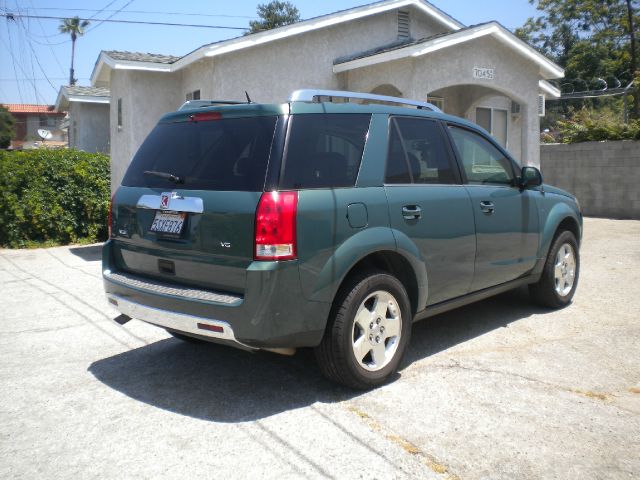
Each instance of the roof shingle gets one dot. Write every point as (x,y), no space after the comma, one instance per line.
(141,56)
(28,108)
(79,91)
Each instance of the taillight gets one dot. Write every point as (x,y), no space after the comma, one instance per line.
(275,234)
(110,216)
(205,116)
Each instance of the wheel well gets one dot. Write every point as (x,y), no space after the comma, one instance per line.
(571,225)
(394,264)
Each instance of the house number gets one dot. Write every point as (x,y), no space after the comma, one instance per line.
(483,73)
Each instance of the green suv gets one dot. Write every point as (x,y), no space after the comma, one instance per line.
(329,224)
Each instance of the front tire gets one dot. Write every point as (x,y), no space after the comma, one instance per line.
(368,332)
(559,279)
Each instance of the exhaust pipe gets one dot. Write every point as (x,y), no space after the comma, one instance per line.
(122,319)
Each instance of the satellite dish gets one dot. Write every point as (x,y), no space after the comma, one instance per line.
(45,134)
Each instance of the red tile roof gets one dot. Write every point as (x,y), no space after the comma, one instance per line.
(28,108)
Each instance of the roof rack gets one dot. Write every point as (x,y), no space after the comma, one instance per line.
(309,95)
(189,104)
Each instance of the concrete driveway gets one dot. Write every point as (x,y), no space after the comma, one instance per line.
(499,389)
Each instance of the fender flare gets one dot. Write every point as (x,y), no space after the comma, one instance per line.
(358,247)
(558,213)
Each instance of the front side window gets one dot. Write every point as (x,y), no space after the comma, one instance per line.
(482,162)
(324,150)
(417,153)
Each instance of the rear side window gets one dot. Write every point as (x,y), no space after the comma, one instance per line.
(417,153)
(225,154)
(324,151)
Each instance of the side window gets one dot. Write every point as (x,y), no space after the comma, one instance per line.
(482,162)
(417,153)
(324,150)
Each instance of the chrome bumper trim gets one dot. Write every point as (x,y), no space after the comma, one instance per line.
(179,322)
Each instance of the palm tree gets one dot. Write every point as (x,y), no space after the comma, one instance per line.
(75,27)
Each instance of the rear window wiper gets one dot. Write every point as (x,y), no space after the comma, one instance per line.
(165,175)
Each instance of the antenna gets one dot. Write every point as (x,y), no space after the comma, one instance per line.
(248,98)
(45,134)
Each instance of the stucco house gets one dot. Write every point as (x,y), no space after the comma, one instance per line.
(29,119)
(405,48)
(88,117)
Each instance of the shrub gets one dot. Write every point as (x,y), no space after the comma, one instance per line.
(593,126)
(53,197)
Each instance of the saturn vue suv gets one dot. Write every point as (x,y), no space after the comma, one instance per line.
(333,221)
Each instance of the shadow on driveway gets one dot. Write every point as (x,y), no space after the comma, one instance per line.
(223,384)
(91,253)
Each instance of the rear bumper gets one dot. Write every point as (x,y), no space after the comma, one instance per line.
(272,313)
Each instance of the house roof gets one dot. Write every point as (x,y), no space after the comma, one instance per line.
(423,46)
(28,108)
(75,93)
(167,63)
(141,57)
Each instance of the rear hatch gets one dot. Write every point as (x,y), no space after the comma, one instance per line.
(185,210)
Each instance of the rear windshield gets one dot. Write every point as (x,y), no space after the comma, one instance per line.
(226,154)
(324,150)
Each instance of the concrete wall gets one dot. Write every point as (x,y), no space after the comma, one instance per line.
(89,126)
(605,176)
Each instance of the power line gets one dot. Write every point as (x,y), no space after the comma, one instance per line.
(218,15)
(110,16)
(13,16)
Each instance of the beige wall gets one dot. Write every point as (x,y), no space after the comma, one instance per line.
(89,126)
(146,96)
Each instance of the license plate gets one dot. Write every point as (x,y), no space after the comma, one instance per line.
(165,222)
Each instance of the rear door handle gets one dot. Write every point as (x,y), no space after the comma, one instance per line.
(411,212)
(487,207)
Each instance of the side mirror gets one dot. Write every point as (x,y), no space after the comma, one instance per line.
(530,177)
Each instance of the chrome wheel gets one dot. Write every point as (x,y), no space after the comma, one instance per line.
(376,331)
(565,269)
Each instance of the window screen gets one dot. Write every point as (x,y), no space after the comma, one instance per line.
(482,162)
(417,153)
(324,150)
(226,154)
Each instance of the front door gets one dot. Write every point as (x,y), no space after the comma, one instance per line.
(429,205)
(506,218)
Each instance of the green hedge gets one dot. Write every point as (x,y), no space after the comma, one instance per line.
(53,197)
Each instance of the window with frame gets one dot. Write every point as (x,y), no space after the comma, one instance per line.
(417,153)
(324,150)
(482,162)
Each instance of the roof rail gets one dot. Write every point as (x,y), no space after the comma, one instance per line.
(309,95)
(189,104)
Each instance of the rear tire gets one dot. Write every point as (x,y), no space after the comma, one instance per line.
(559,279)
(368,332)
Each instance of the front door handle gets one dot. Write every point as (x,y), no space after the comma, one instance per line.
(487,207)
(411,212)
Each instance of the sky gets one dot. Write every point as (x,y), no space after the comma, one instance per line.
(35,58)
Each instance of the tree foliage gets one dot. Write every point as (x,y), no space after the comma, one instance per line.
(273,15)
(7,131)
(74,27)
(591,39)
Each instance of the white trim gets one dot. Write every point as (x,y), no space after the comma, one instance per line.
(89,99)
(547,67)
(549,88)
(255,39)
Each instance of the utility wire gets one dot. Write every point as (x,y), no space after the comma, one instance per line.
(109,17)
(215,15)
(12,16)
